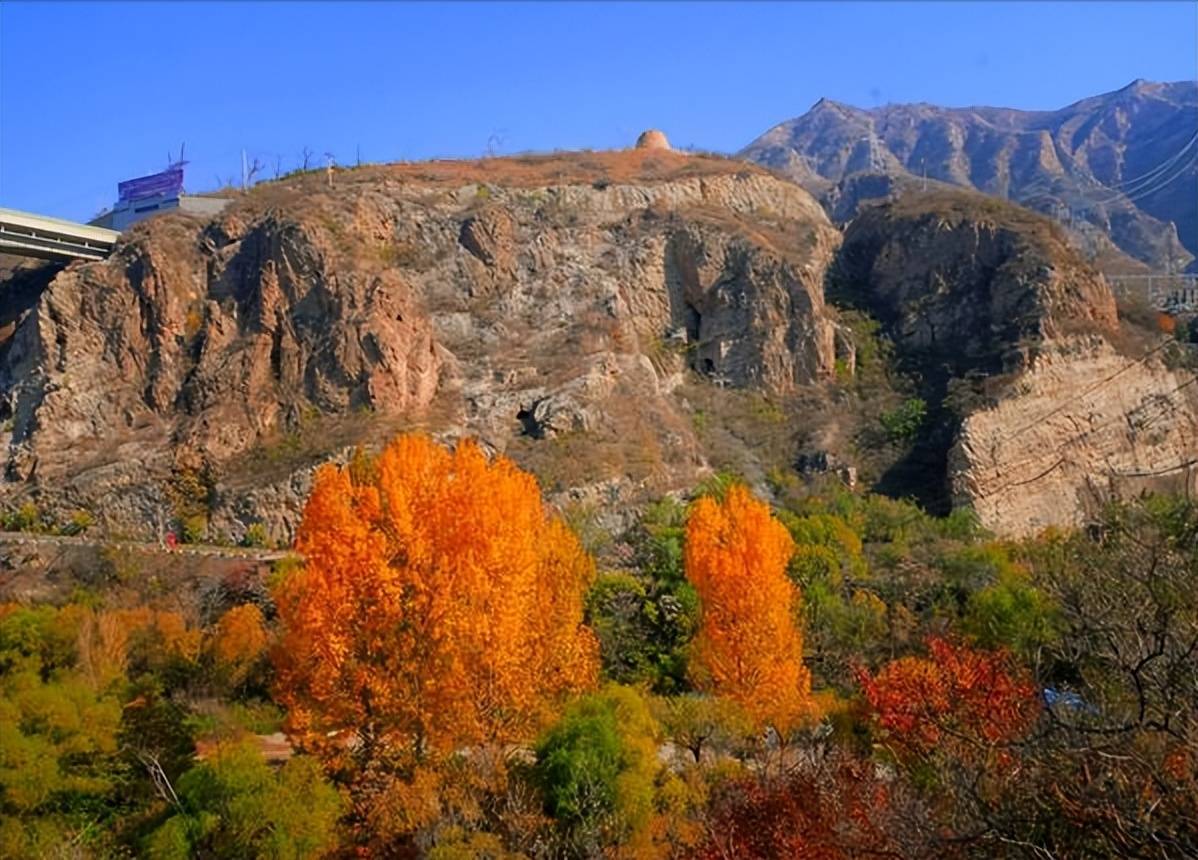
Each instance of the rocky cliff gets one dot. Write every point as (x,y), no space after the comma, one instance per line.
(1122,164)
(1045,404)
(620,323)
(199,372)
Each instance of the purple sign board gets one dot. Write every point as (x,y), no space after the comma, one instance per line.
(168,182)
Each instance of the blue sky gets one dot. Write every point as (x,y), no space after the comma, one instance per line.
(91,93)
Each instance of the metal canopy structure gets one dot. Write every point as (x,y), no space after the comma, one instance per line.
(28,235)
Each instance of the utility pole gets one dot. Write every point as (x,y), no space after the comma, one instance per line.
(923,163)
(243,170)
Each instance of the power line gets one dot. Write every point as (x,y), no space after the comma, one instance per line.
(1156,170)
(1184,464)
(1086,392)
(1124,188)
(1148,189)
(1085,434)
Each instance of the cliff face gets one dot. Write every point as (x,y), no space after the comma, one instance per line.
(1116,165)
(620,323)
(1081,424)
(1041,416)
(968,284)
(516,301)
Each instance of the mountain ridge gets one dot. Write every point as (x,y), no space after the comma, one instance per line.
(1121,165)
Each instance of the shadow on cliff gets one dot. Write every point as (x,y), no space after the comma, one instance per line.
(22,283)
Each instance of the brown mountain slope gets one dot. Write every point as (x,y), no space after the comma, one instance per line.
(1124,163)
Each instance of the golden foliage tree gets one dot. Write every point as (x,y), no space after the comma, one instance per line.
(749,647)
(440,606)
(239,641)
(109,642)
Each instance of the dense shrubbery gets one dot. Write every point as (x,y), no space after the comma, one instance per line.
(842,676)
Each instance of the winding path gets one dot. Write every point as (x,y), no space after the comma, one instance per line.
(203,550)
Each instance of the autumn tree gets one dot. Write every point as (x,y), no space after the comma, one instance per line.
(749,647)
(964,697)
(828,806)
(440,607)
(238,643)
(137,640)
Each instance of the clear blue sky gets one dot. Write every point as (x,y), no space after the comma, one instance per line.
(92,93)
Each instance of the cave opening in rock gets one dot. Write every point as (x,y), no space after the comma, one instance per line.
(691,320)
(529,426)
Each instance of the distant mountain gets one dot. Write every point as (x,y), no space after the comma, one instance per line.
(1123,164)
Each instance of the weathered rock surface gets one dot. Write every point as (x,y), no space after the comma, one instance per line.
(984,298)
(971,284)
(1081,425)
(617,322)
(520,299)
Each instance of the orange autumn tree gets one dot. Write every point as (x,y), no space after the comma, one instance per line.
(440,606)
(239,641)
(749,648)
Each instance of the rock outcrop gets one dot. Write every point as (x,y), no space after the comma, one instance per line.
(1050,411)
(620,323)
(971,284)
(1082,425)
(206,366)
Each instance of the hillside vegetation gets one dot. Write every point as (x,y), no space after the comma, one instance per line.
(450,674)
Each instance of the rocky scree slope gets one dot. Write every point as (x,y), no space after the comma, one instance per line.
(1122,165)
(1042,404)
(199,372)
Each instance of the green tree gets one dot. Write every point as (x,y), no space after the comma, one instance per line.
(644,621)
(234,805)
(597,765)
(58,762)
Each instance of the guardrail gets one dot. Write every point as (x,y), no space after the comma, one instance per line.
(1169,293)
(234,553)
(30,235)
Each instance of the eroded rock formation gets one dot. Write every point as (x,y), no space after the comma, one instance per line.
(569,300)
(1054,408)
(585,314)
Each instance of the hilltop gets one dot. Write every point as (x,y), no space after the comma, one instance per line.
(550,306)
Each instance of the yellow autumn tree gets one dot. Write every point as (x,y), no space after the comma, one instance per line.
(239,642)
(440,606)
(749,647)
(113,642)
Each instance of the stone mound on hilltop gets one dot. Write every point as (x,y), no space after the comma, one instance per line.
(652,139)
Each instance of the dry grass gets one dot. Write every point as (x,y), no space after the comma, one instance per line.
(523,171)
(959,205)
